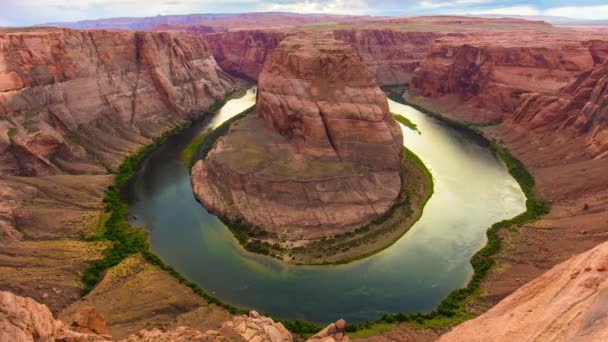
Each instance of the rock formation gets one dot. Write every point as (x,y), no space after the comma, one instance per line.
(335,332)
(243,52)
(391,56)
(244,328)
(22,319)
(580,108)
(322,155)
(486,74)
(568,303)
(78,101)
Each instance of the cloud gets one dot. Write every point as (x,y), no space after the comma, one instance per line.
(579,12)
(329,7)
(433,4)
(514,10)
(29,12)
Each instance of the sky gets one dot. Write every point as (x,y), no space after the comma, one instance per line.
(31,12)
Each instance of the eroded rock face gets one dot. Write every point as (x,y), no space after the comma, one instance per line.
(486,74)
(567,303)
(580,108)
(78,101)
(391,56)
(244,52)
(23,319)
(317,93)
(322,155)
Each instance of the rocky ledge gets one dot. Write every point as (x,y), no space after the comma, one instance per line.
(23,319)
(320,157)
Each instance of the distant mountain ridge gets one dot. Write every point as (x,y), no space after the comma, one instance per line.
(140,23)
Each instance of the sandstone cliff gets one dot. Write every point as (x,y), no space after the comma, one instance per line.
(243,52)
(79,101)
(485,74)
(72,105)
(392,56)
(568,303)
(322,155)
(580,108)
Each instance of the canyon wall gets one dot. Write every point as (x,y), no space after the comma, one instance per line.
(568,303)
(581,109)
(243,52)
(391,56)
(78,101)
(485,74)
(321,157)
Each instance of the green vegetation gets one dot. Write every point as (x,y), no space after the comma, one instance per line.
(451,310)
(371,329)
(406,122)
(300,327)
(11,132)
(190,150)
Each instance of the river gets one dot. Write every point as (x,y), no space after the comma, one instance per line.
(473,189)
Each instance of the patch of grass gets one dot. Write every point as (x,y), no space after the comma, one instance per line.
(190,150)
(406,122)
(11,132)
(374,329)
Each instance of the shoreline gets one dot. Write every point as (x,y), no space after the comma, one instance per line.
(391,226)
(452,309)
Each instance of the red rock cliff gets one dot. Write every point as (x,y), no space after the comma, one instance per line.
(486,74)
(392,56)
(580,108)
(322,155)
(78,101)
(243,52)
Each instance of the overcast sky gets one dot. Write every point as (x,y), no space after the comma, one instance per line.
(29,12)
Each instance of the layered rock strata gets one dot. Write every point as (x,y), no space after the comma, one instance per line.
(581,109)
(244,52)
(320,157)
(391,56)
(78,101)
(568,303)
(484,75)
(73,104)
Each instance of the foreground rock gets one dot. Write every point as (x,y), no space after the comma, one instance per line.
(23,319)
(322,155)
(568,303)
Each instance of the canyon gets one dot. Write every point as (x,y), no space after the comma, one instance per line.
(75,103)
